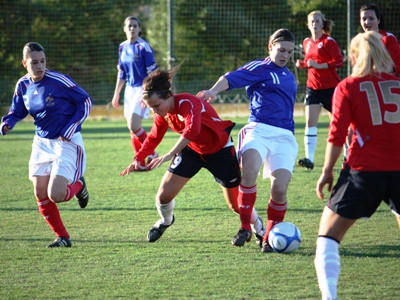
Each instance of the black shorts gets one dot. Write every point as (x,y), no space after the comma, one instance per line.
(321,97)
(222,164)
(358,194)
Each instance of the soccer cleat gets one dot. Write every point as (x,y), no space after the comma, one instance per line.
(305,162)
(151,157)
(157,230)
(83,195)
(60,242)
(141,167)
(241,237)
(266,248)
(259,237)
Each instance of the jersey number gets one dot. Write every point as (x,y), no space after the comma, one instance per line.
(388,98)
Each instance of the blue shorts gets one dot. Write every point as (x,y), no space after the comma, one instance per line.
(321,97)
(222,164)
(358,194)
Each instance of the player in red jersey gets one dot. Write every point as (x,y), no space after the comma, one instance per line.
(371,19)
(205,142)
(322,57)
(368,102)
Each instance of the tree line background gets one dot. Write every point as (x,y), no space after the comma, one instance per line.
(81,38)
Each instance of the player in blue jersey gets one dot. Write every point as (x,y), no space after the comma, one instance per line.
(136,61)
(269,137)
(57,164)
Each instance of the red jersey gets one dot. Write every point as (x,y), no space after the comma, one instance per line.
(371,106)
(392,46)
(323,50)
(196,120)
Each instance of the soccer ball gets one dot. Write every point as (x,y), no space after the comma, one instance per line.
(284,237)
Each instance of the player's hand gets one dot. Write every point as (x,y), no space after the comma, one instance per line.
(326,178)
(301,63)
(207,95)
(312,63)
(64,139)
(4,128)
(134,167)
(157,162)
(115,101)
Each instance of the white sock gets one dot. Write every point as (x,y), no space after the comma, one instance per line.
(327,266)
(310,142)
(166,212)
(345,148)
(256,223)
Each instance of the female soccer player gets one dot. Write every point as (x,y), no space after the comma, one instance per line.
(205,142)
(269,137)
(322,57)
(371,19)
(58,106)
(136,61)
(367,101)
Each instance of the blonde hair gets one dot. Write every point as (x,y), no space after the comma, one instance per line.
(328,24)
(369,55)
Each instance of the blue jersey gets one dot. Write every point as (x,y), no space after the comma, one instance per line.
(271,91)
(57,104)
(135,61)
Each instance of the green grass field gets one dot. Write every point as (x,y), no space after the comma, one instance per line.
(111,258)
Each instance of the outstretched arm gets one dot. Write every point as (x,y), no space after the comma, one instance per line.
(209,95)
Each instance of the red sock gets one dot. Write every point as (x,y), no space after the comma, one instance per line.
(136,144)
(49,210)
(276,214)
(137,139)
(246,200)
(72,190)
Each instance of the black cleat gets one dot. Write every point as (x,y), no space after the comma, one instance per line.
(241,237)
(83,195)
(266,248)
(305,162)
(157,231)
(60,242)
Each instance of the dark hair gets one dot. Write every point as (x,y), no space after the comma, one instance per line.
(281,35)
(31,47)
(379,16)
(136,19)
(159,82)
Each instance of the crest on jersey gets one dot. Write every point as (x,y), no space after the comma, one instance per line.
(49,100)
(320,45)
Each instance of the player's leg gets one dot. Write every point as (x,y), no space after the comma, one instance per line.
(277,204)
(49,211)
(135,111)
(251,162)
(66,180)
(170,186)
(310,135)
(332,229)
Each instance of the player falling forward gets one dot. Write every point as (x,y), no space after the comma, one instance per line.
(58,162)
(205,142)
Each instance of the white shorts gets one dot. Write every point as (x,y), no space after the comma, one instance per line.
(277,146)
(133,103)
(55,157)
